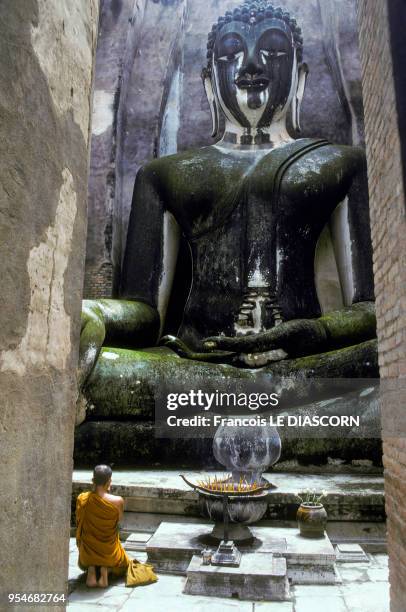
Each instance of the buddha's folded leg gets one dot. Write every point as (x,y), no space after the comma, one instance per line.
(356,361)
(125,383)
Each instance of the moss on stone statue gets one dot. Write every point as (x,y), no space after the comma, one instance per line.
(357,322)
(125,382)
(359,361)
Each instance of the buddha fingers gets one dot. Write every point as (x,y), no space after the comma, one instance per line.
(181,349)
(295,337)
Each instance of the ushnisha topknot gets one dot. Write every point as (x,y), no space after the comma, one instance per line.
(253,11)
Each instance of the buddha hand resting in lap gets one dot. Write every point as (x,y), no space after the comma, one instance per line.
(251,209)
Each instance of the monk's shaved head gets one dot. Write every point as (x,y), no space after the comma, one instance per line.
(101,474)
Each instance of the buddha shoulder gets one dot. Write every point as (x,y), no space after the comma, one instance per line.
(180,168)
(325,170)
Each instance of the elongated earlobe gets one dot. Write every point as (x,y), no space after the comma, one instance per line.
(208,88)
(298,96)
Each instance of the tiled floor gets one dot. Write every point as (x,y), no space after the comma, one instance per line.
(364,588)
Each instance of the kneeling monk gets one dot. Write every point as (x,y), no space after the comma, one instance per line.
(97,517)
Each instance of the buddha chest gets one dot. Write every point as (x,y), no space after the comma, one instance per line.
(253,243)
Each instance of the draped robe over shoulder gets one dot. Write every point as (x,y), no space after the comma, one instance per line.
(97,534)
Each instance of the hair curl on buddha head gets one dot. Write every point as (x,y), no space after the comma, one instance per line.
(101,475)
(253,11)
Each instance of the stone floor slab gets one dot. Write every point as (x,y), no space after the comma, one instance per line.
(86,607)
(167,594)
(74,572)
(313,604)
(273,606)
(381,560)
(136,541)
(366,597)
(260,576)
(312,598)
(115,595)
(177,604)
(351,574)
(378,574)
(351,553)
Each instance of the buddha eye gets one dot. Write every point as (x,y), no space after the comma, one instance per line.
(231,57)
(266,54)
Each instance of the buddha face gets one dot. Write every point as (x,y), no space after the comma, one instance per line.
(254,71)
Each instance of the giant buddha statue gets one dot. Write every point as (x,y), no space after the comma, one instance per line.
(250,210)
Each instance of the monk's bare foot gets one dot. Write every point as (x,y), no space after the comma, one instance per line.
(103,581)
(91,580)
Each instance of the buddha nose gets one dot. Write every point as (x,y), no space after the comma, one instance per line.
(252,76)
(251,68)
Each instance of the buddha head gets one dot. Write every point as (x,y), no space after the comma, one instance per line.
(254,71)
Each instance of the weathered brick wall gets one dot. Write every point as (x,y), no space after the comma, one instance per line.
(98,281)
(388,224)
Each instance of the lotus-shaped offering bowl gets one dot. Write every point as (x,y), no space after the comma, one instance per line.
(246,503)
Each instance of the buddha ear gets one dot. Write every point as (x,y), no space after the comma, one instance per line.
(208,88)
(302,73)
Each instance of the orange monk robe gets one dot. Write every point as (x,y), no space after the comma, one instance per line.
(97,534)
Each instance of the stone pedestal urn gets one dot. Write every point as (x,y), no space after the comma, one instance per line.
(246,452)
